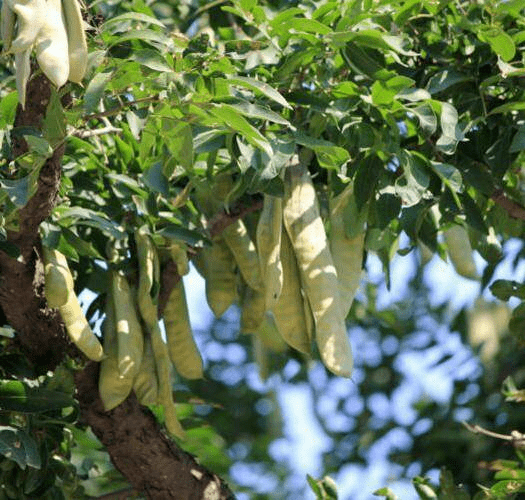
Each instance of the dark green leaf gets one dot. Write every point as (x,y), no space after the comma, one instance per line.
(95,90)
(18,396)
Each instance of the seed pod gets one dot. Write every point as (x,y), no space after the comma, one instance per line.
(30,18)
(23,71)
(51,44)
(113,387)
(7,25)
(128,330)
(163,368)
(76,40)
(59,289)
(290,310)
(460,252)
(239,242)
(58,279)
(268,239)
(347,253)
(183,350)
(179,255)
(146,385)
(221,278)
(147,299)
(253,308)
(304,225)
(149,272)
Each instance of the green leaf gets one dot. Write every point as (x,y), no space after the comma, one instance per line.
(90,218)
(81,246)
(234,120)
(445,79)
(302,24)
(259,112)
(449,174)
(155,179)
(427,118)
(151,59)
(500,42)
(180,144)
(21,190)
(8,105)
(505,289)
(95,90)
(17,445)
(54,123)
(18,396)
(328,155)
(385,492)
(451,133)
(145,35)
(314,485)
(39,146)
(181,233)
(262,87)
(132,16)
(518,141)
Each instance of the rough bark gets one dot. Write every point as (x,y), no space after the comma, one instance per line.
(41,334)
(151,462)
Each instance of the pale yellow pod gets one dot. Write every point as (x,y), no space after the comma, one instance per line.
(30,17)
(149,270)
(290,310)
(304,225)
(183,350)
(220,275)
(79,330)
(163,368)
(179,255)
(347,253)
(130,339)
(23,71)
(243,249)
(60,292)
(149,276)
(269,335)
(76,40)
(58,278)
(52,46)
(146,385)
(268,241)
(253,308)
(113,388)
(261,356)
(7,25)
(460,251)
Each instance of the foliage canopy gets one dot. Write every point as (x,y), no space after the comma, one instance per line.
(416,103)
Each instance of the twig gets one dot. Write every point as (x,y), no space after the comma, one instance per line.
(514,210)
(516,438)
(117,495)
(118,109)
(82,134)
(220,221)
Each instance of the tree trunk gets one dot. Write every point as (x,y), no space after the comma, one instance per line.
(139,449)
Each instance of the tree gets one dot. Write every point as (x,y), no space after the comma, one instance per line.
(191,116)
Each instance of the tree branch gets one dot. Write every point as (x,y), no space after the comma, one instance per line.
(515,210)
(150,461)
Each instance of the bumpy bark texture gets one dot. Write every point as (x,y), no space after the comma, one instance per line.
(151,462)
(41,334)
